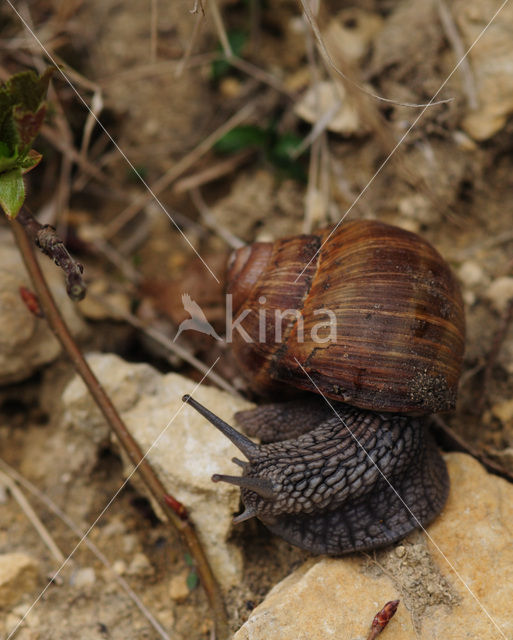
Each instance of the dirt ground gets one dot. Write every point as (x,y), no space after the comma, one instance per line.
(156,75)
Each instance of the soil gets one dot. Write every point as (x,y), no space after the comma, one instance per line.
(453,189)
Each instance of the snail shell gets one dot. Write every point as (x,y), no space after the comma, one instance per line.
(398,313)
(330,477)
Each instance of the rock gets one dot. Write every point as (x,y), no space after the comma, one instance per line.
(471,273)
(178,588)
(339,597)
(26,341)
(140,566)
(500,292)
(504,412)
(84,577)
(323,98)
(18,576)
(117,303)
(183,449)
(491,61)
(353,30)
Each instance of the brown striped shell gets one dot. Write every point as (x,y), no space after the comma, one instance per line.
(394,304)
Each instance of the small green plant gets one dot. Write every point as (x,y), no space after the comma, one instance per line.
(22,111)
(277,148)
(222,67)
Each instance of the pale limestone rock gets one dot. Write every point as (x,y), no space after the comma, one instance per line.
(140,566)
(330,97)
(352,32)
(338,598)
(500,292)
(328,598)
(26,342)
(18,576)
(183,449)
(475,535)
(491,61)
(504,411)
(178,588)
(84,577)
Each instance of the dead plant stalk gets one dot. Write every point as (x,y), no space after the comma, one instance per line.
(154,485)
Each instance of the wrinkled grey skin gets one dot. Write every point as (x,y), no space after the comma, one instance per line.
(336,479)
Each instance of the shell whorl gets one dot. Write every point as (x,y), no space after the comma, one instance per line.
(398,313)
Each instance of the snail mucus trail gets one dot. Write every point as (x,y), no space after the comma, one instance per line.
(361,470)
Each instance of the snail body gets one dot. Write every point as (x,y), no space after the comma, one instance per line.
(358,480)
(355,467)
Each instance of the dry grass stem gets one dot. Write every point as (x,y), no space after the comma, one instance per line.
(168,345)
(213,172)
(220,28)
(62,145)
(113,419)
(32,516)
(119,261)
(190,45)
(12,475)
(90,123)
(211,223)
(178,169)
(259,74)
(454,38)
(332,67)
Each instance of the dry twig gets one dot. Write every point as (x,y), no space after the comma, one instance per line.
(454,38)
(152,482)
(454,442)
(32,516)
(382,618)
(50,244)
(169,345)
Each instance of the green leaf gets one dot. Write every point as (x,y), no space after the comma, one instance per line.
(31,160)
(240,138)
(279,155)
(12,192)
(237,40)
(192,580)
(27,125)
(22,111)
(8,160)
(189,561)
(285,145)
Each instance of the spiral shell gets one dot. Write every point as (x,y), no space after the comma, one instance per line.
(369,314)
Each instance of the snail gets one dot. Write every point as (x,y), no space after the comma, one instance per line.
(353,467)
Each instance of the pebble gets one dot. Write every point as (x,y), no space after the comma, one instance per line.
(503,411)
(119,567)
(140,566)
(18,576)
(130,543)
(178,589)
(471,273)
(500,292)
(84,577)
